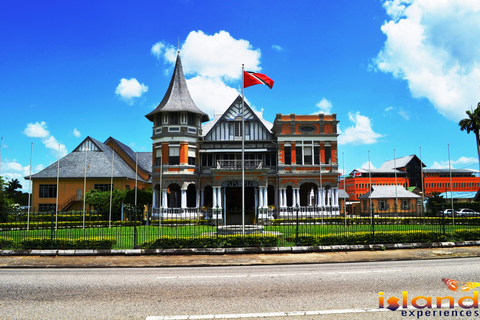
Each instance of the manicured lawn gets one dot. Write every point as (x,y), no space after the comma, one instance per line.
(286,233)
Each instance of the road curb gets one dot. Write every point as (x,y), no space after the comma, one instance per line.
(234,251)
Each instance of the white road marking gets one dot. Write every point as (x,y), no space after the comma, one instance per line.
(266,314)
(283,314)
(269,275)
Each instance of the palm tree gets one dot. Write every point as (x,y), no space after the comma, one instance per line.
(472,123)
(13,185)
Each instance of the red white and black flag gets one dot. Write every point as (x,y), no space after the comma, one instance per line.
(251,78)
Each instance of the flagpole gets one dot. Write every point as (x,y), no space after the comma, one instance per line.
(322,197)
(243,150)
(423,189)
(370,185)
(451,185)
(396,194)
(58,187)
(111,194)
(30,188)
(136,174)
(84,185)
(344,190)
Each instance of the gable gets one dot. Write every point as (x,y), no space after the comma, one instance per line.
(228,126)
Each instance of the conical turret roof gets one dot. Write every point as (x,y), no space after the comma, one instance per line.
(177,98)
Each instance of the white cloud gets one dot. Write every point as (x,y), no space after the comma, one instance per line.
(367,166)
(11,169)
(130,89)
(460,163)
(401,112)
(211,95)
(218,55)
(277,48)
(39,130)
(215,64)
(53,144)
(360,133)
(325,106)
(76,133)
(434,46)
(157,49)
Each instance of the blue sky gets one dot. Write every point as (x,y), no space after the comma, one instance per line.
(398,74)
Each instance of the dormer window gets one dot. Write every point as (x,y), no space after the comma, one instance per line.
(183,117)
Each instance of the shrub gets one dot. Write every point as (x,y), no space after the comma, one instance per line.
(66,243)
(6,242)
(211,241)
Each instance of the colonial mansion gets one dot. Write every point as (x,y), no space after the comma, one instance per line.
(195,167)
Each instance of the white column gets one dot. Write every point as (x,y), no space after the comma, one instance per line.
(319,197)
(219,197)
(214,204)
(298,196)
(165,198)
(280,198)
(197,198)
(295,199)
(183,198)
(335,196)
(329,197)
(154,200)
(260,197)
(265,197)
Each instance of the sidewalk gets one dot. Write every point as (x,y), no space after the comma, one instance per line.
(235,256)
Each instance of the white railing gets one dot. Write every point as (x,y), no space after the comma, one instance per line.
(308,212)
(237,164)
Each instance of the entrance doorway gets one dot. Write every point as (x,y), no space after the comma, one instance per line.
(233,205)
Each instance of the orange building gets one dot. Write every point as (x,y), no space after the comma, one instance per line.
(92,165)
(359,181)
(410,172)
(438,180)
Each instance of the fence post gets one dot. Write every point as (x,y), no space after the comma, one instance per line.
(216,222)
(443,219)
(373,224)
(296,233)
(135,233)
(51,233)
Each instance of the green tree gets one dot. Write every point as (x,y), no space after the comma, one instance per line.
(100,200)
(4,201)
(472,124)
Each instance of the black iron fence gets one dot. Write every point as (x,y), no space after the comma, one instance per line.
(290,226)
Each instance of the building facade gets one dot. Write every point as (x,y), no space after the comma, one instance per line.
(91,165)
(290,164)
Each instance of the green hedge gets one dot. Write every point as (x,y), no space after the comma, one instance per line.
(6,242)
(64,224)
(382,237)
(66,243)
(380,220)
(211,242)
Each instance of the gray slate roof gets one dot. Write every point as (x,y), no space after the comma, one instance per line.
(177,98)
(144,158)
(99,165)
(398,163)
(388,192)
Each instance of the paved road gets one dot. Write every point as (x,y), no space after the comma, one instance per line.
(266,291)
